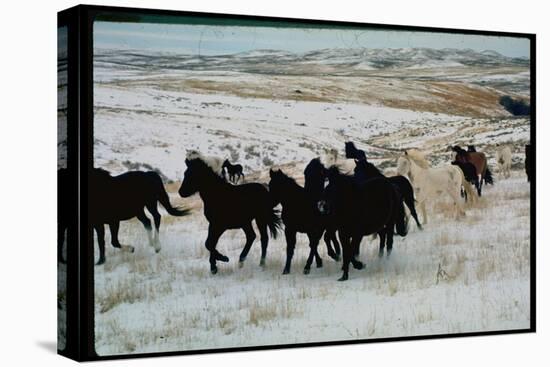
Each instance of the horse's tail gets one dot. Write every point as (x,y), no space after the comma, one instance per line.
(402,220)
(165,201)
(488,177)
(273,221)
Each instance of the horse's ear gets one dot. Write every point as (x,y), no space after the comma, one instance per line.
(186,161)
(406,153)
(271,173)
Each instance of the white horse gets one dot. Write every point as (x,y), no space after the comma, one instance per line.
(504,160)
(216,163)
(430,183)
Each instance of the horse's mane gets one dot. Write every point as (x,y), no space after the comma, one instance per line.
(285,177)
(315,162)
(195,154)
(350,145)
(204,164)
(418,157)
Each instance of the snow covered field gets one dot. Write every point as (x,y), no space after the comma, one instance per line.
(147,302)
(148,118)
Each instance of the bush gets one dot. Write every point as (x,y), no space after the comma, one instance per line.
(516,107)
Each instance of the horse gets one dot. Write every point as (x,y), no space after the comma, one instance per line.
(528,162)
(360,209)
(315,175)
(235,171)
(353,153)
(228,206)
(504,160)
(365,170)
(469,171)
(488,178)
(216,163)
(299,214)
(123,197)
(479,160)
(430,182)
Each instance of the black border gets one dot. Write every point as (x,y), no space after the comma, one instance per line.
(85,15)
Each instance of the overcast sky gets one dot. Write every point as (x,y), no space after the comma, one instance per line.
(216,40)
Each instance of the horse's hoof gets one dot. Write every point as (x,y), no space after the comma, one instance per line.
(319,264)
(343,278)
(381,254)
(222,258)
(306,271)
(241,263)
(358,265)
(262,262)
(286,271)
(214,271)
(101,261)
(389,253)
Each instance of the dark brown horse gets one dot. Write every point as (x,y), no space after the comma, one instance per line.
(477,159)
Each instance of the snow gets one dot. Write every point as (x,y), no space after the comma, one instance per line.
(148,116)
(171,302)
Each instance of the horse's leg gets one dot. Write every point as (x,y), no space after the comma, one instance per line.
(347,255)
(327,238)
(60,240)
(113,226)
(389,241)
(100,230)
(250,237)
(355,243)
(147,224)
(423,209)
(290,235)
(480,179)
(455,197)
(264,240)
(313,243)
(153,209)
(409,200)
(382,235)
(211,242)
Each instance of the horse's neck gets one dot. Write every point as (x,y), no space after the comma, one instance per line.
(213,187)
(416,172)
(293,191)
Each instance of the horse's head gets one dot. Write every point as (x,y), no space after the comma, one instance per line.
(350,149)
(403,165)
(193,177)
(276,183)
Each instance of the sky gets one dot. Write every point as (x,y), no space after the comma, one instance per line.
(219,39)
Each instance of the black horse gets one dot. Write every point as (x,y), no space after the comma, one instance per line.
(299,214)
(528,162)
(360,209)
(315,175)
(470,174)
(353,153)
(228,206)
(123,197)
(365,170)
(235,171)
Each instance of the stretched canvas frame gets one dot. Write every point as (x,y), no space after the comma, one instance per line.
(78,299)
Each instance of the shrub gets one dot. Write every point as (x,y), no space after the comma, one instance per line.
(516,107)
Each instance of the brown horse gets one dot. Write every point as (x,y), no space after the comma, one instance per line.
(478,159)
